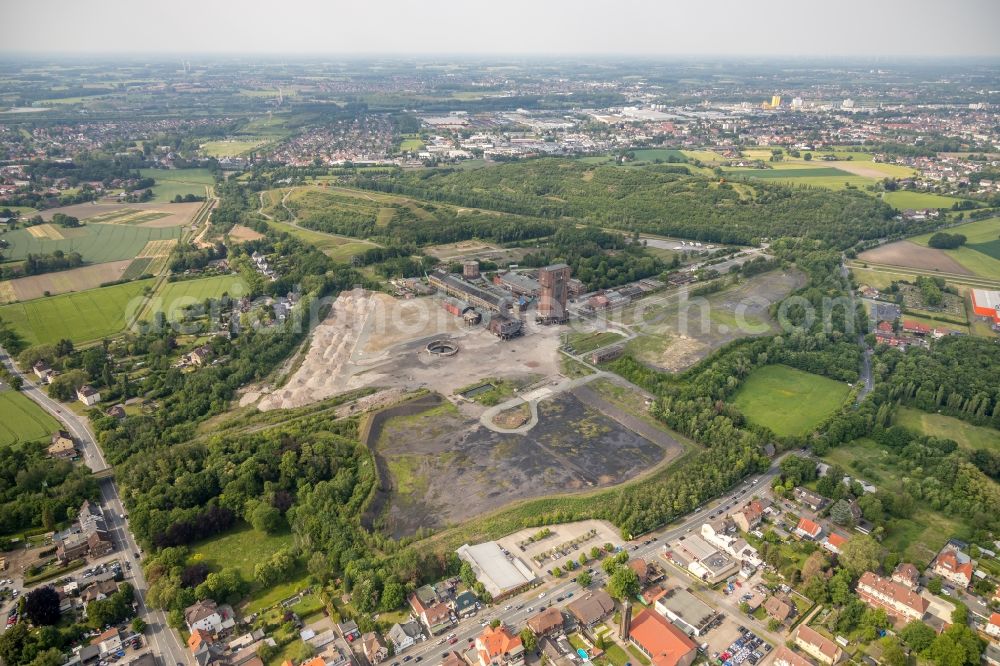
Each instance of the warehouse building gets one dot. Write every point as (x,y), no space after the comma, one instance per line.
(986,303)
(501,573)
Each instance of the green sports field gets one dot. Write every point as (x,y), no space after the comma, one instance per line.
(21,420)
(171,182)
(96,243)
(964,434)
(81,316)
(175,295)
(789,401)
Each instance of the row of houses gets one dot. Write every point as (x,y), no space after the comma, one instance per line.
(87,536)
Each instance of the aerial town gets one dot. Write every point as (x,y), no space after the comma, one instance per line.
(474,352)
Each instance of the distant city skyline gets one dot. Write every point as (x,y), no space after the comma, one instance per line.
(862,28)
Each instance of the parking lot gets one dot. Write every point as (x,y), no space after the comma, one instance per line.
(562,535)
(733,645)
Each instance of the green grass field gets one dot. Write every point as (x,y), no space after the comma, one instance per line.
(21,420)
(241,548)
(97,243)
(411,145)
(338,248)
(588,342)
(81,316)
(231,147)
(981,252)
(651,154)
(171,182)
(965,434)
(917,200)
(789,401)
(175,295)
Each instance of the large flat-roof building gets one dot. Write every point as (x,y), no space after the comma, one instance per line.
(685,610)
(986,303)
(704,560)
(501,574)
(466,291)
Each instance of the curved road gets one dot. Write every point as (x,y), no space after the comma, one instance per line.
(158,634)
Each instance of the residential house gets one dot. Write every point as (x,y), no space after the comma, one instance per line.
(818,646)
(62,446)
(906,574)
(810,499)
(898,600)
(954,566)
(663,643)
(497,646)
(405,635)
(211,653)
(208,615)
(749,517)
(109,642)
(116,411)
(834,543)
(549,621)
(43,371)
(722,534)
(807,529)
(87,536)
(336,653)
(349,631)
(992,628)
(198,638)
(200,355)
(88,395)
(433,613)
(779,608)
(98,591)
(464,604)
(591,608)
(641,569)
(786,657)
(374,649)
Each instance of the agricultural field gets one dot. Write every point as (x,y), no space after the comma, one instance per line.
(171,182)
(82,316)
(21,420)
(981,253)
(964,434)
(798,174)
(75,279)
(174,296)
(96,243)
(919,537)
(902,200)
(139,214)
(789,401)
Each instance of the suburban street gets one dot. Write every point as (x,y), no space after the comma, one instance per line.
(158,634)
(514,611)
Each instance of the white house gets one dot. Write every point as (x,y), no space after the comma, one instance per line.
(87,395)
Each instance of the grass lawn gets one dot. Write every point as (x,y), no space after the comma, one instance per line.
(965,434)
(175,295)
(917,200)
(243,548)
(82,316)
(338,248)
(96,243)
(411,145)
(588,342)
(789,401)
(21,420)
(231,147)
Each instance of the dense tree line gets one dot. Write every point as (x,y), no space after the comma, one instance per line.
(36,491)
(645,200)
(37,264)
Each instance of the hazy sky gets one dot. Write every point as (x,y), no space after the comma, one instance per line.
(650,27)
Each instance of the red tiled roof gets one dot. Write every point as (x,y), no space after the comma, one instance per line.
(497,642)
(836,540)
(665,643)
(809,527)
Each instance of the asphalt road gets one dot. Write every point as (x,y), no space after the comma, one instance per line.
(158,634)
(531,601)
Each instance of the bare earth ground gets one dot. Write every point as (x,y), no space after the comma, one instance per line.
(377,340)
(177,214)
(76,279)
(678,333)
(447,468)
(241,234)
(905,253)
